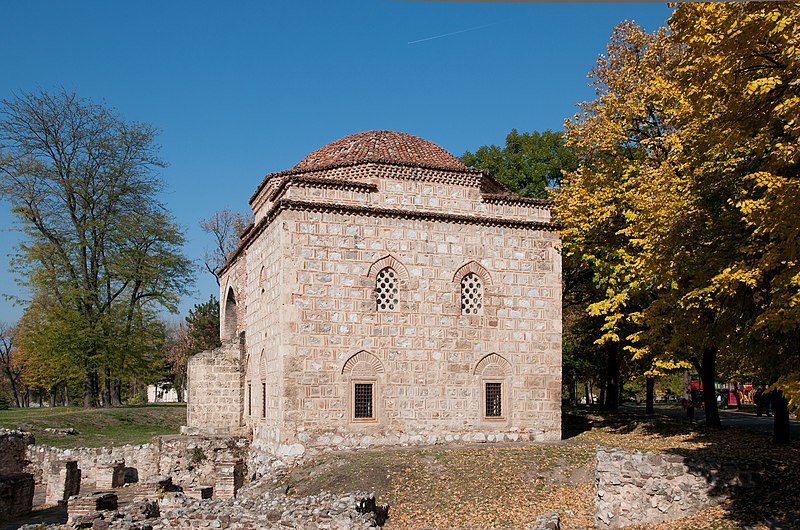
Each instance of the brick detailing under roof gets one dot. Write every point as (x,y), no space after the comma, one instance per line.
(380,146)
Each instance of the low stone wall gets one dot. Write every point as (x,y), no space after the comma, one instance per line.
(140,460)
(646,488)
(191,461)
(13,446)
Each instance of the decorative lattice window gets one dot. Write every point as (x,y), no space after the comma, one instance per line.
(494,400)
(471,294)
(386,290)
(363,401)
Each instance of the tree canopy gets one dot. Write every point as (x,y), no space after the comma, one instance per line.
(529,164)
(101,253)
(684,205)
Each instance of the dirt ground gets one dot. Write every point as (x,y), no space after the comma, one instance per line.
(505,486)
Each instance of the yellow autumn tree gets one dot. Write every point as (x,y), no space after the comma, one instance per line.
(740,79)
(686,201)
(623,137)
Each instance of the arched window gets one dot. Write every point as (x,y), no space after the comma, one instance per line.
(473,279)
(231,322)
(387,290)
(494,372)
(471,294)
(390,276)
(262,279)
(362,371)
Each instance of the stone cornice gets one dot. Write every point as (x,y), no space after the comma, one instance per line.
(305,180)
(398,213)
(443,174)
(510,198)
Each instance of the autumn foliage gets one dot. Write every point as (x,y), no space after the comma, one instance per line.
(685,208)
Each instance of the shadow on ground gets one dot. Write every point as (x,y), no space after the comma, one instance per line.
(41,515)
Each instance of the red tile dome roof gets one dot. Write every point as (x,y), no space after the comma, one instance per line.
(380,146)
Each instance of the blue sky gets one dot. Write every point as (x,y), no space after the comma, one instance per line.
(243,88)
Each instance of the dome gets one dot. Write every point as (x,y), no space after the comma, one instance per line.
(380,146)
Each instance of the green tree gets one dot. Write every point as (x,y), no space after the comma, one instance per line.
(202,325)
(200,333)
(529,164)
(99,246)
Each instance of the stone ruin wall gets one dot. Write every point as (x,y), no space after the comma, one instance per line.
(647,488)
(214,407)
(16,486)
(13,445)
(191,461)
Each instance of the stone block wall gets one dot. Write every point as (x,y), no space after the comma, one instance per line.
(142,460)
(427,352)
(189,460)
(647,488)
(62,481)
(215,391)
(13,447)
(16,494)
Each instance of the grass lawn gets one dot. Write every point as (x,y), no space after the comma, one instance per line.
(97,427)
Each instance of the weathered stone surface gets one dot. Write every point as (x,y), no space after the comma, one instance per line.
(82,508)
(62,482)
(16,494)
(230,477)
(110,476)
(645,488)
(13,447)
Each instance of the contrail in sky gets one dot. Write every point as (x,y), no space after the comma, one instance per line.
(451,33)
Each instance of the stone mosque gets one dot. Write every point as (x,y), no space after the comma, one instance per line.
(385,294)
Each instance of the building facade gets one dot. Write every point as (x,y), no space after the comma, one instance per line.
(386,294)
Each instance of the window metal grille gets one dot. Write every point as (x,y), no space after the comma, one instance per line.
(362,401)
(494,400)
(471,294)
(263,400)
(386,290)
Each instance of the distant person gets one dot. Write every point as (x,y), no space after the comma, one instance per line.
(759,399)
(768,400)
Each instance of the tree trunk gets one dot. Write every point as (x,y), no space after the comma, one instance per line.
(601,387)
(116,393)
(651,388)
(612,379)
(586,392)
(708,371)
(781,433)
(14,389)
(91,388)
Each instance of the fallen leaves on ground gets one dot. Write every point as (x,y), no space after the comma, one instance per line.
(504,486)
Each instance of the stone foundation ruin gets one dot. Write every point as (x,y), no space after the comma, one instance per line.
(645,488)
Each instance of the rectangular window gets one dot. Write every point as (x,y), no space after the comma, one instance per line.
(362,401)
(494,400)
(249,399)
(263,400)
